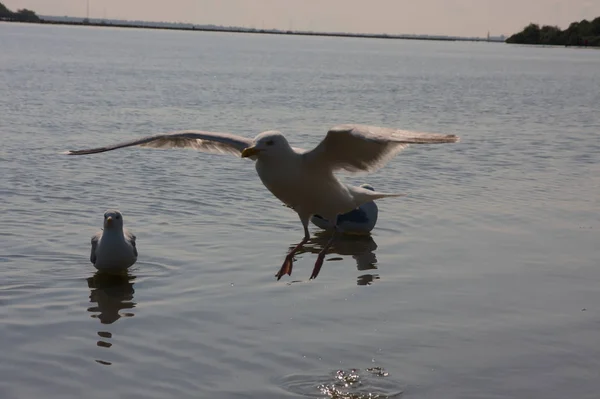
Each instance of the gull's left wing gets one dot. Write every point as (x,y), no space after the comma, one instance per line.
(361,148)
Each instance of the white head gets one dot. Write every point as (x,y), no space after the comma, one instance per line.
(268,144)
(113,220)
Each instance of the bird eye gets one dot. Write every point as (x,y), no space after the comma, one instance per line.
(118,217)
(270,142)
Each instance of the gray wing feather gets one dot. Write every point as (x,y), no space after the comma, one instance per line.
(95,239)
(202,141)
(362,148)
(129,236)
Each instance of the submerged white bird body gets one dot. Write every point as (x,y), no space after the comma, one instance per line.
(114,247)
(303,180)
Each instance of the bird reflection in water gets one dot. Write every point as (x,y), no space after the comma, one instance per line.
(111,293)
(360,247)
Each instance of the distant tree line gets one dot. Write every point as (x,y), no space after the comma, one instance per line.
(23,15)
(584,33)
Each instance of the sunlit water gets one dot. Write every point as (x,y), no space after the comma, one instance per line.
(484,282)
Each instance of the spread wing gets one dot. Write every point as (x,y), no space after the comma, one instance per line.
(221,143)
(361,148)
(95,239)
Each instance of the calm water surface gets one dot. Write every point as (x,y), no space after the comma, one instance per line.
(484,282)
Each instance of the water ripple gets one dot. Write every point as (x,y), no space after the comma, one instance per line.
(472,285)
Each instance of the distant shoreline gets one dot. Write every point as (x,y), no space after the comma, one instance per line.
(108,24)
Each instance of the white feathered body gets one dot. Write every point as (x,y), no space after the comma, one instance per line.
(311,191)
(115,249)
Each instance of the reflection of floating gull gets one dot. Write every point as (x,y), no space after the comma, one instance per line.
(114,247)
(304,180)
(358,221)
(112,293)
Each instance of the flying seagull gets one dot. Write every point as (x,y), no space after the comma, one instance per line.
(303,180)
(114,247)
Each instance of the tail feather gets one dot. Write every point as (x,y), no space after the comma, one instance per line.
(363,195)
(379,195)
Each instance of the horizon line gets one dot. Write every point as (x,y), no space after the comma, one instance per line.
(71,20)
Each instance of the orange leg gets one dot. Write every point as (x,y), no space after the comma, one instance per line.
(288,263)
(321,256)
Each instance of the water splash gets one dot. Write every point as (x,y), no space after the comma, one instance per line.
(370,383)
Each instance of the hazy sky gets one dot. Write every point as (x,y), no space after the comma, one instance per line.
(451,17)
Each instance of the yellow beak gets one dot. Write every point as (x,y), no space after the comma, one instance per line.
(109,220)
(250,151)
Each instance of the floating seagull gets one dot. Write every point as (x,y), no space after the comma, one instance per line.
(303,180)
(114,247)
(359,221)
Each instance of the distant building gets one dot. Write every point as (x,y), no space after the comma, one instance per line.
(500,38)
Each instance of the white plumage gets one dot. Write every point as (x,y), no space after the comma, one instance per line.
(114,247)
(303,180)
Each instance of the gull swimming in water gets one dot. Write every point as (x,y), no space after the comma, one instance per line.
(303,180)
(114,247)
